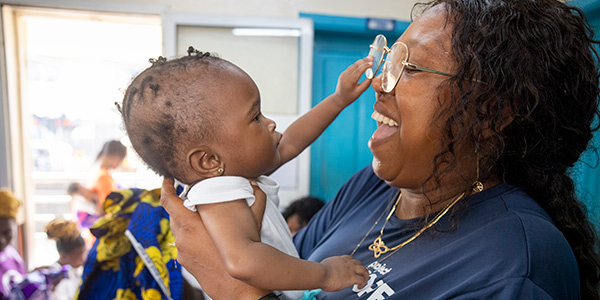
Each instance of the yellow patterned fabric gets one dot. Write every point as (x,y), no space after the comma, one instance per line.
(113,269)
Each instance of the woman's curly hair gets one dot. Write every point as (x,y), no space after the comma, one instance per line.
(530,110)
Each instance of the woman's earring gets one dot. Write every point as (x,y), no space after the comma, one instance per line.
(477,185)
(220,170)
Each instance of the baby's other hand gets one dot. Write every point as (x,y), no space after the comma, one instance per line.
(342,272)
(348,88)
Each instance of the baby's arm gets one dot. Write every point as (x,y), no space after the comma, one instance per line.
(309,126)
(232,227)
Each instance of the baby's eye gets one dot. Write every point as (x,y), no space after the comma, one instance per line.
(257,117)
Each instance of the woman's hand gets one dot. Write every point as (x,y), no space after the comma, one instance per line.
(198,253)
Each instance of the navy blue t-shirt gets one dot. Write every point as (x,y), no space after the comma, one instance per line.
(500,244)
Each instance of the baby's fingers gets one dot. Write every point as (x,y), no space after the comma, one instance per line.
(362,275)
(356,70)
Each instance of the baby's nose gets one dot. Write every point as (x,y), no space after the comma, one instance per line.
(272,125)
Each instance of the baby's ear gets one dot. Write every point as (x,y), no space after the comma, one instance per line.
(204,162)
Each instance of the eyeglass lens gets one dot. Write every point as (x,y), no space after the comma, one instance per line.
(394,66)
(377,51)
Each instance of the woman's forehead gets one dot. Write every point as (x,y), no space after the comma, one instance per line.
(429,32)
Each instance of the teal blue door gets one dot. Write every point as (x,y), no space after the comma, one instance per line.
(342,149)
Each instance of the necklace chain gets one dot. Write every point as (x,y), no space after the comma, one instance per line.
(378,246)
(374,224)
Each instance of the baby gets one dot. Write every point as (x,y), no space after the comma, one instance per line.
(198,119)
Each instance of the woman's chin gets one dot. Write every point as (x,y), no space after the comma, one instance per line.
(380,169)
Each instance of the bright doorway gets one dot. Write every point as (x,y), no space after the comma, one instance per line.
(65,71)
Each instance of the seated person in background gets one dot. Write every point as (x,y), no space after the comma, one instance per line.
(12,268)
(214,138)
(299,212)
(72,251)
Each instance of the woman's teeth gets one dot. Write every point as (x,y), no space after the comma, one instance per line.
(383,119)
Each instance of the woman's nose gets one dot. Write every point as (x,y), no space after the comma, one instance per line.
(376,84)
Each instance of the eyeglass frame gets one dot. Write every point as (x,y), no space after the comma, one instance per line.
(404,63)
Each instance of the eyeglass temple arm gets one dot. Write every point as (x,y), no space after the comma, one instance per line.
(425,69)
(434,71)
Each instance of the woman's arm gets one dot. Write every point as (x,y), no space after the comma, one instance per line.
(309,126)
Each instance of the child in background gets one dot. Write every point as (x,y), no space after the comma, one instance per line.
(198,119)
(83,204)
(72,251)
(300,211)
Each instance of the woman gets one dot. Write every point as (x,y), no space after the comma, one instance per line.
(468,196)
(12,268)
(72,251)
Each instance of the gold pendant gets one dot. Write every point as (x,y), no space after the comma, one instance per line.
(477,186)
(378,247)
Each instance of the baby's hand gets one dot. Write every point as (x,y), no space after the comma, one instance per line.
(342,272)
(348,89)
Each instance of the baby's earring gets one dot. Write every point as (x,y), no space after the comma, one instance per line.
(220,170)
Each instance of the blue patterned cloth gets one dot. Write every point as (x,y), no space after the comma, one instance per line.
(113,269)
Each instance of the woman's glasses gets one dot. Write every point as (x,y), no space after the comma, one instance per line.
(395,63)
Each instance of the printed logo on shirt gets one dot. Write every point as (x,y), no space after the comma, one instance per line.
(376,289)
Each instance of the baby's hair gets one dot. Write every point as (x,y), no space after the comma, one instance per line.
(163,107)
(66,234)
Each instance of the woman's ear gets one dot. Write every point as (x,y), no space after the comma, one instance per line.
(506,116)
(204,162)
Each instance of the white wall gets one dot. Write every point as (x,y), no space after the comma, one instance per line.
(393,9)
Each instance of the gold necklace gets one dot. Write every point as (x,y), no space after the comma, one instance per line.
(378,246)
(374,224)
